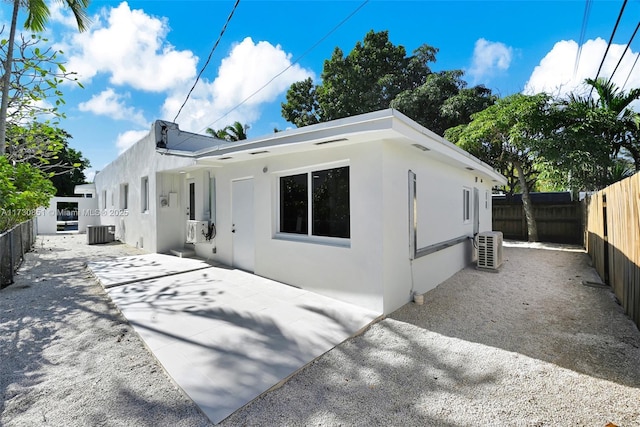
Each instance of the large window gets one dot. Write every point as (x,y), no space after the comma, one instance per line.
(318,198)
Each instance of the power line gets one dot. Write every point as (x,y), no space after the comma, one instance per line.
(224,28)
(583,31)
(630,71)
(290,65)
(281,72)
(625,51)
(615,28)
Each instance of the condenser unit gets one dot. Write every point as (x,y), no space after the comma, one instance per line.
(196,231)
(490,250)
(97,234)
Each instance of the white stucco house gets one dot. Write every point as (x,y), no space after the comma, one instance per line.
(366,209)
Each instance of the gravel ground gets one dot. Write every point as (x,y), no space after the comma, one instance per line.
(530,345)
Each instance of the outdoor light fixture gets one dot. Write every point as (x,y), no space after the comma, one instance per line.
(225,158)
(258,152)
(468,168)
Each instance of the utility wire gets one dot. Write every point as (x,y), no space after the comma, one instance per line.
(625,51)
(224,28)
(280,73)
(630,71)
(615,28)
(583,31)
(298,59)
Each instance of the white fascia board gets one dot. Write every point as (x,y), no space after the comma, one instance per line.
(305,136)
(443,149)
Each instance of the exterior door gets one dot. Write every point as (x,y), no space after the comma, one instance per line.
(242,224)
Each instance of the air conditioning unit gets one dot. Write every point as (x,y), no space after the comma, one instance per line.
(97,234)
(490,250)
(196,231)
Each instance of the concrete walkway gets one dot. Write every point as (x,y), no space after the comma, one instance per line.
(225,336)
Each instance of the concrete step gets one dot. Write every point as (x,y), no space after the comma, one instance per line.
(183,252)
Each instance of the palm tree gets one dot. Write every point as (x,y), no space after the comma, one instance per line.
(614,101)
(234,132)
(37,17)
(237,131)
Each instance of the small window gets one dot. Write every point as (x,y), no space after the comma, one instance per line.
(144,192)
(486,199)
(124,194)
(466,205)
(104,199)
(318,198)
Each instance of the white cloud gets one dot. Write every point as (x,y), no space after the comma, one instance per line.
(248,67)
(130,47)
(489,58)
(109,103)
(62,14)
(128,138)
(90,174)
(555,72)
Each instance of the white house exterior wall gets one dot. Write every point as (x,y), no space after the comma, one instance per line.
(134,227)
(47,219)
(374,267)
(439,219)
(353,273)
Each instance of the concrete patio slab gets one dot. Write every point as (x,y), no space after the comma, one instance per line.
(139,267)
(227,336)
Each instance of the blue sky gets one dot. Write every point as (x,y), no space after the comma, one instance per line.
(139,58)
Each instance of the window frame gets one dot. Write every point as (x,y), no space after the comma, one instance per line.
(124,196)
(309,236)
(144,194)
(466,205)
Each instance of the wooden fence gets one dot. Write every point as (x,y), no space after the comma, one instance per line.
(557,223)
(613,240)
(14,243)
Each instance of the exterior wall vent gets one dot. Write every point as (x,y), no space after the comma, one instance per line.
(490,250)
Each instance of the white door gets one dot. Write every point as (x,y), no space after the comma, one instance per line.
(242,224)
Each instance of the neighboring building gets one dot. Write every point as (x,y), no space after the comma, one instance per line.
(366,209)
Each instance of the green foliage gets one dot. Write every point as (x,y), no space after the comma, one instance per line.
(443,101)
(37,73)
(507,134)
(38,13)
(302,107)
(593,136)
(235,132)
(377,75)
(23,189)
(47,148)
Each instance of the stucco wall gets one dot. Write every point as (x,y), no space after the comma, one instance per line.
(87,214)
(133,226)
(353,273)
(439,218)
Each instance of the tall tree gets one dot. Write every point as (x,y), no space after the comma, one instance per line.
(376,75)
(508,135)
(47,149)
(37,17)
(443,101)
